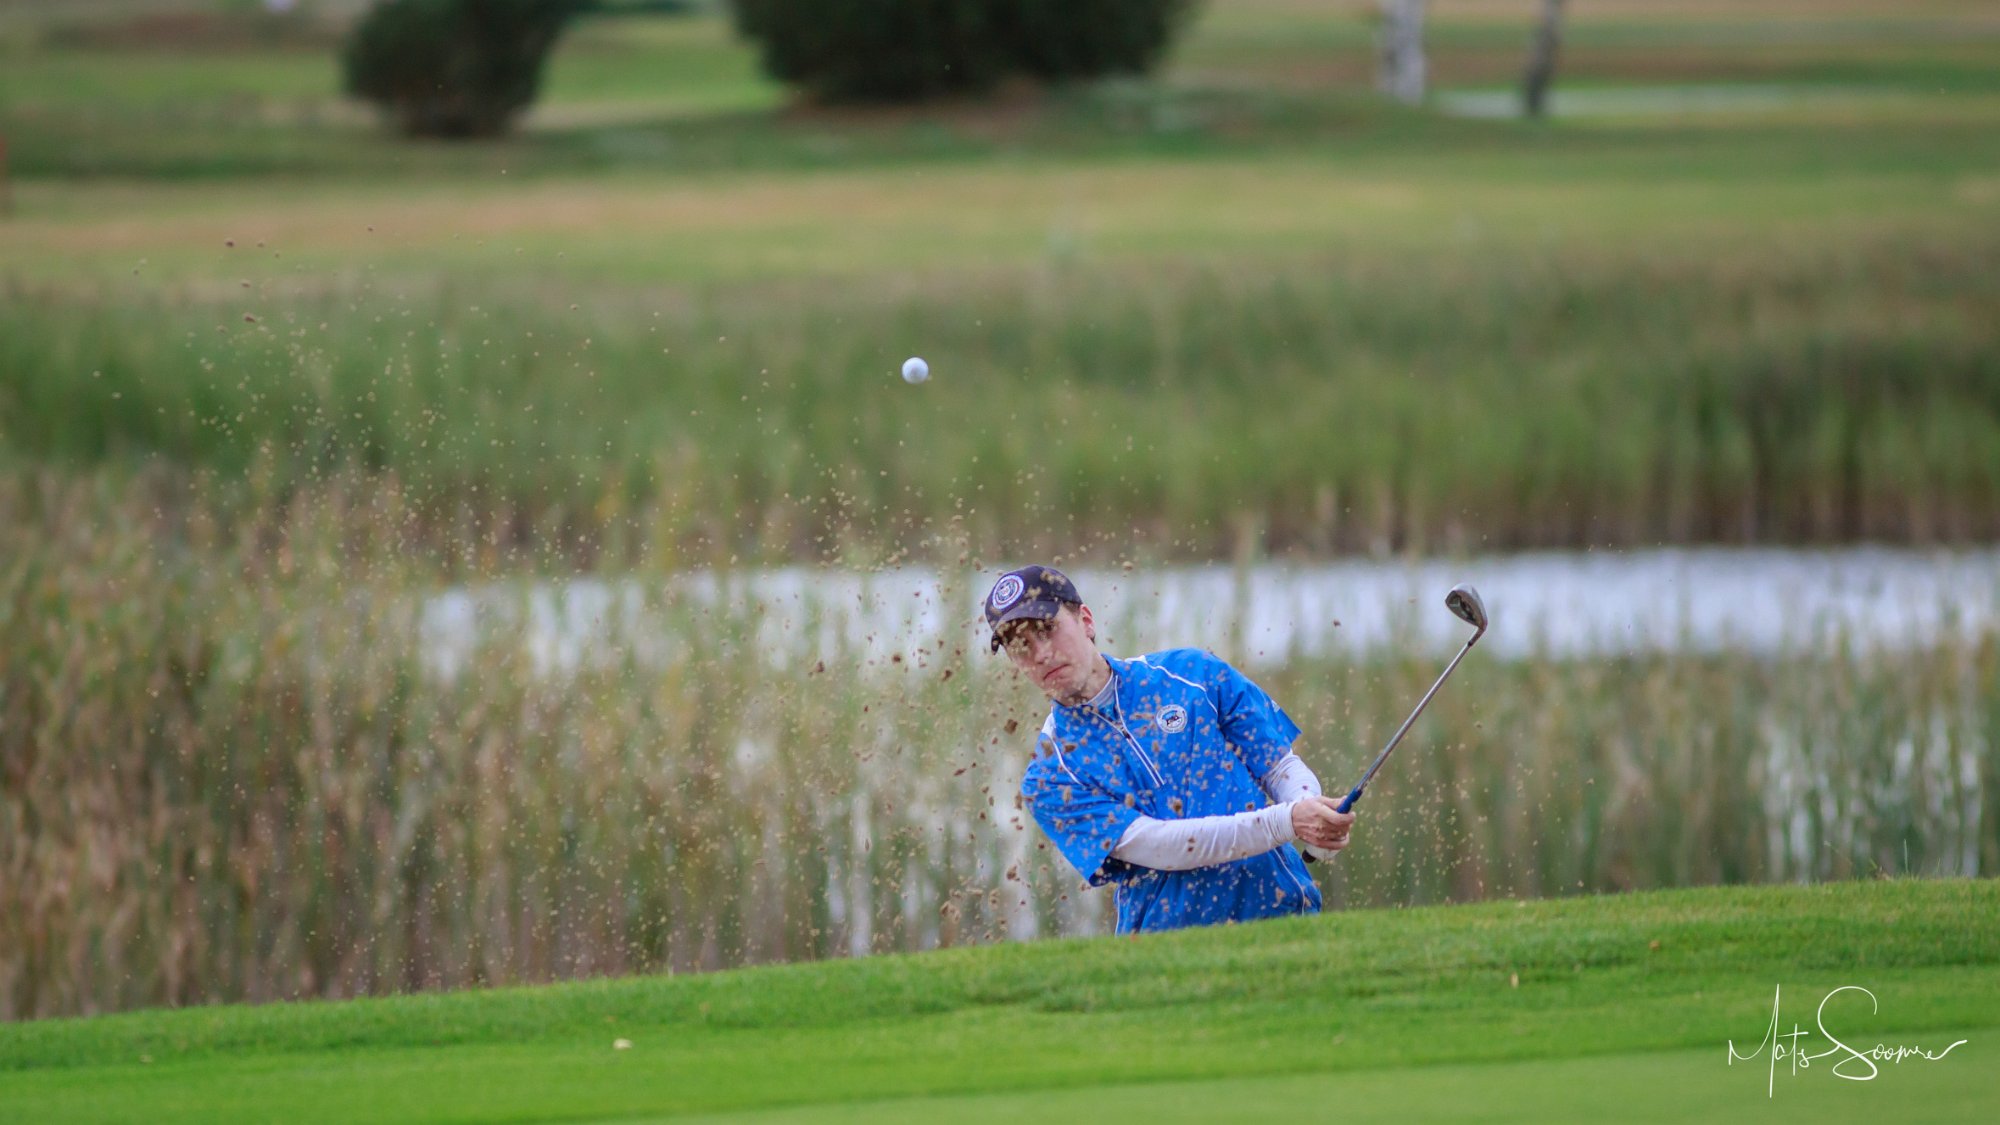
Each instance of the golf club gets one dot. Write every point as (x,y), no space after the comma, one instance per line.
(1464,601)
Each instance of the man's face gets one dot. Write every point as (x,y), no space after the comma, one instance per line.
(1058,654)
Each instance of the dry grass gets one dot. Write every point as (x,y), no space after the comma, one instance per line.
(229,772)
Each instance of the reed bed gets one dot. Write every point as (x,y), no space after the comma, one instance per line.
(1776,394)
(229,772)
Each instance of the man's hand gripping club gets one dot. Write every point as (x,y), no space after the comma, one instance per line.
(1320,825)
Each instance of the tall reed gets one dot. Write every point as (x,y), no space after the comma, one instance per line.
(228,770)
(1767,394)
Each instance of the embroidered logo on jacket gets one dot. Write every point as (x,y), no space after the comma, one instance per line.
(1173,718)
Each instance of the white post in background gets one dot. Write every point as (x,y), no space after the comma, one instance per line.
(1402,74)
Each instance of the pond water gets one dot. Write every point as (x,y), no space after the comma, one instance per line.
(1544,605)
(1656,101)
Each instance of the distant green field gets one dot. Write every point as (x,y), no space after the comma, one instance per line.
(1482,192)
(1619,1006)
(199,100)
(1763,323)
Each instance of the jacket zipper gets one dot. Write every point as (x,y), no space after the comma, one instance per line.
(1159,782)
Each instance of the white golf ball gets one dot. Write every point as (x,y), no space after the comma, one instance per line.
(915,370)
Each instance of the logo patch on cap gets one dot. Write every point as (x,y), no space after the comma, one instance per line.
(1006,592)
(1173,718)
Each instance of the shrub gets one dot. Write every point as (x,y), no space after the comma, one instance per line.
(1070,39)
(453,68)
(907,50)
(875,50)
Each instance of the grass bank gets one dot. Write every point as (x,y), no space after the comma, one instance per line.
(1558,1002)
(1247,309)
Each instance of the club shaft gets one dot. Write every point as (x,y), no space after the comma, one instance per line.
(1355,795)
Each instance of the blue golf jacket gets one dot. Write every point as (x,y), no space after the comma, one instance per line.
(1185,736)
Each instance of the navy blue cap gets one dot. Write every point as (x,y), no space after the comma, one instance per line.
(1031,592)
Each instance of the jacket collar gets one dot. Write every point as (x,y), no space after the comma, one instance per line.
(1122,675)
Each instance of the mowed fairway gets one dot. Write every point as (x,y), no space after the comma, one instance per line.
(1598,196)
(1640,1086)
(1619,1006)
(659,156)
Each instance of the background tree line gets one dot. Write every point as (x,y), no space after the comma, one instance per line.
(469,68)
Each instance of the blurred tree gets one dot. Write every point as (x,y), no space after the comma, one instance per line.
(1542,59)
(1059,40)
(1401,45)
(875,50)
(909,50)
(453,68)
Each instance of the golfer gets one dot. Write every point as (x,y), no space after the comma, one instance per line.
(1171,776)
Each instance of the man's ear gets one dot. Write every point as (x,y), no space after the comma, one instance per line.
(1089,626)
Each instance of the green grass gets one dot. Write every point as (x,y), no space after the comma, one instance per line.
(1623,1087)
(1491,1009)
(1482,191)
(1247,307)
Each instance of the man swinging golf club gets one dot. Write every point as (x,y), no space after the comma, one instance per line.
(1171,776)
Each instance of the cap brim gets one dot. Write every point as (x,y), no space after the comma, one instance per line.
(1040,609)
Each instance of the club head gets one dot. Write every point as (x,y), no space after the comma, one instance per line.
(1465,602)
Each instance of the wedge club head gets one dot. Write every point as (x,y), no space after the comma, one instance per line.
(1466,602)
